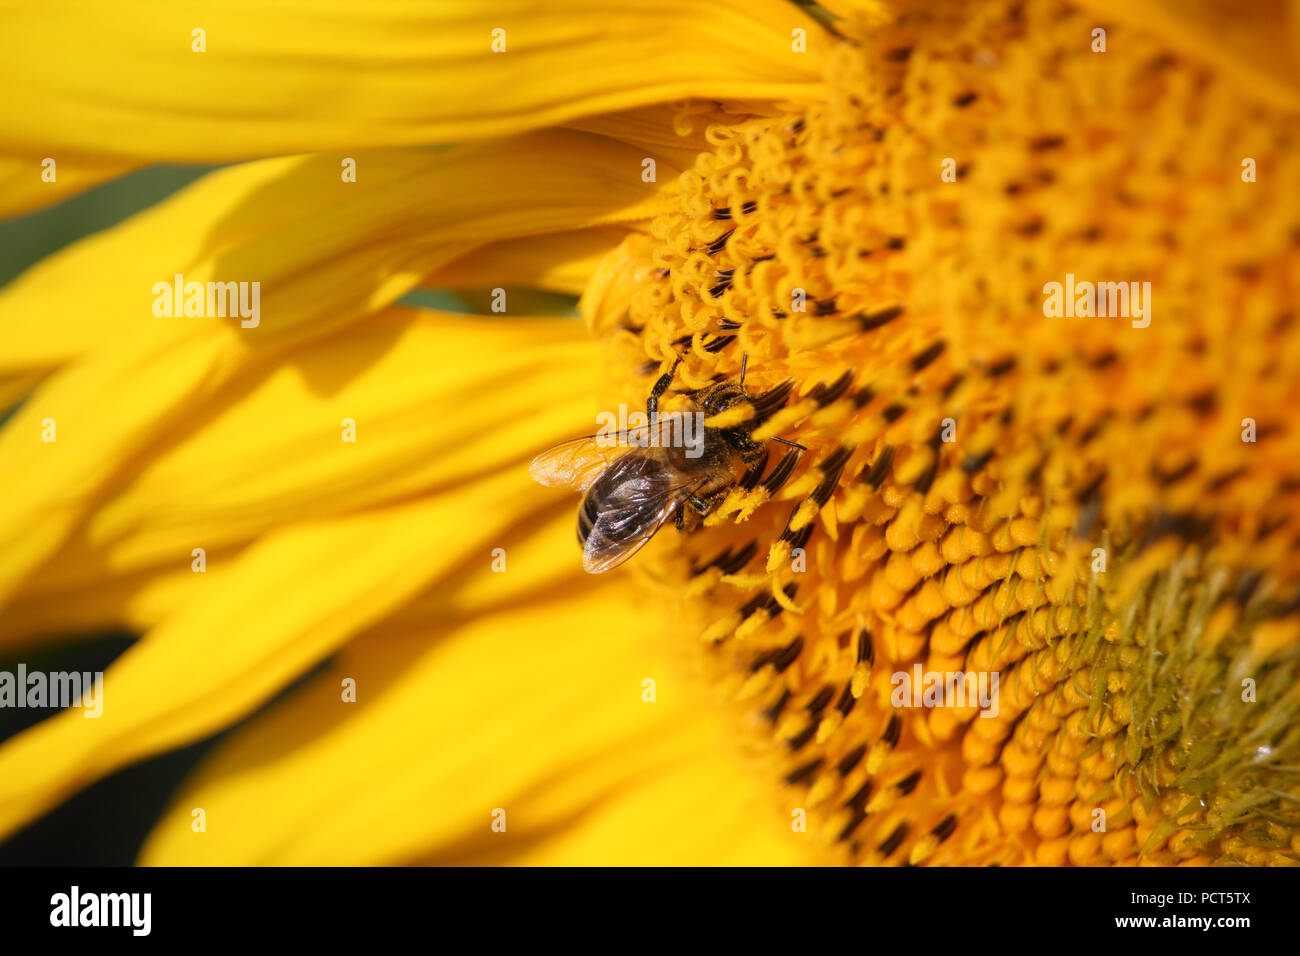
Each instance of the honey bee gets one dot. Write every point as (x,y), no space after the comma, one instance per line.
(634,482)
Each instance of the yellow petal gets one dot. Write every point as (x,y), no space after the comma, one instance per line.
(561,262)
(279,76)
(201,224)
(285,219)
(672,133)
(674,129)
(286,603)
(268,449)
(16,385)
(555,733)
(54,612)
(606,298)
(25,184)
(354,252)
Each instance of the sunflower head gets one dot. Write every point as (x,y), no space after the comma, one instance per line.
(992,305)
(1066,509)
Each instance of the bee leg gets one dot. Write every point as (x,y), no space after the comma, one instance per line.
(661,386)
(706,505)
(701,506)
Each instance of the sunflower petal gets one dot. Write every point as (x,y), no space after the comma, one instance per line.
(555,733)
(201,223)
(135,602)
(286,603)
(298,228)
(320,270)
(279,76)
(560,262)
(268,450)
(25,186)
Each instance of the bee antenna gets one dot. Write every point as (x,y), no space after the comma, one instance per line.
(792,444)
(744,360)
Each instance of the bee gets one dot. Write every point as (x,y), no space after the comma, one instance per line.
(632,485)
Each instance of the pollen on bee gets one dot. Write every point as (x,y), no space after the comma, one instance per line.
(736,415)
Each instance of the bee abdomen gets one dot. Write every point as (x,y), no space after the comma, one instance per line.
(587,515)
(627,496)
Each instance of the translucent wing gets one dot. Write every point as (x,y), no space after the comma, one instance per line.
(643,497)
(577,463)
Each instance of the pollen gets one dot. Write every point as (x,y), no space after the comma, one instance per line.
(1066,507)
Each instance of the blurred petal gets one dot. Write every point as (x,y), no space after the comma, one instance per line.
(289,76)
(52,612)
(286,603)
(353,254)
(555,733)
(606,298)
(252,203)
(560,262)
(677,128)
(266,450)
(23,187)
(271,220)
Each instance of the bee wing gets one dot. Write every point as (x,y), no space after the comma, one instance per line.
(579,462)
(609,545)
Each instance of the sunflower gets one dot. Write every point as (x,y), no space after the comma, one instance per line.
(866,203)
